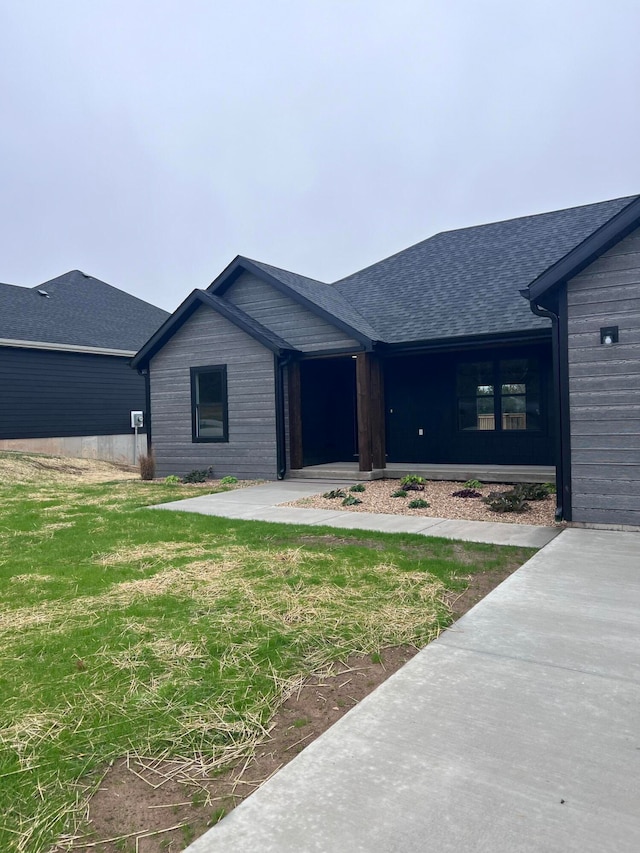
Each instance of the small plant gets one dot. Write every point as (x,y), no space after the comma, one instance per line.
(399,493)
(228,480)
(147,462)
(334,493)
(171,480)
(550,487)
(412,482)
(418,503)
(351,501)
(198,476)
(467,493)
(473,484)
(506,502)
(532,491)
(358,487)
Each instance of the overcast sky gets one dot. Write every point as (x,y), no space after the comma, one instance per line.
(148,142)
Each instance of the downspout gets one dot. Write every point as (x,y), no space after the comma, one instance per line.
(561,484)
(279,364)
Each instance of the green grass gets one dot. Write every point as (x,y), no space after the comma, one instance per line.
(129,630)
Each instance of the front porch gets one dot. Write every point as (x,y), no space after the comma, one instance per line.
(349,472)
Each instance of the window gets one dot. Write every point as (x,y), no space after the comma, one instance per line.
(499,395)
(209,403)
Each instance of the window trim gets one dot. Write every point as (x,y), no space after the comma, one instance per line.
(194,373)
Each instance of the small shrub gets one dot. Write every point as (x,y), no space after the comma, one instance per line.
(473,484)
(351,501)
(399,493)
(412,482)
(171,480)
(467,493)
(506,502)
(198,476)
(228,480)
(147,462)
(358,487)
(334,493)
(418,503)
(550,487)
(532,491)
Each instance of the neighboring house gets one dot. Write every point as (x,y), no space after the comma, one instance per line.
(65,379)
(429,356)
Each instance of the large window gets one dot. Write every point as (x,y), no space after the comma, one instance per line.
(499,395)
(209,403)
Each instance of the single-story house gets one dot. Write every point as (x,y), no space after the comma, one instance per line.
(431,356)
(65,377)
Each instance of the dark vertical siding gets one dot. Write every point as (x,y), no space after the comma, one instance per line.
(299,327)
(604,384)
(208,338)
(45,393)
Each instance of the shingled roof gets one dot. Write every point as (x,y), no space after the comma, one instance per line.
(77,310)
(466,282)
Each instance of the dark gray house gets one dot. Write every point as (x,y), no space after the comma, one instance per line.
(65,377)
(431,356)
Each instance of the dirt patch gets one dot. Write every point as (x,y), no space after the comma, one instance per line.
(377,497)
(160,806)
(33,468)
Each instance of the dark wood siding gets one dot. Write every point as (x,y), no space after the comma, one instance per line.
(299,327)
(604,387)
(45,393)
(208,338)
(422,417)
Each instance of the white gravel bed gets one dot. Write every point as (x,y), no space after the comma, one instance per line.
(377,498)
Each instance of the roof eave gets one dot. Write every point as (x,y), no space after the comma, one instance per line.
(614,230)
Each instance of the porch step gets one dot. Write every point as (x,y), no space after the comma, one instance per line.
(345,471)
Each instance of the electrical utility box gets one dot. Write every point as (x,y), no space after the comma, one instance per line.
(137,420)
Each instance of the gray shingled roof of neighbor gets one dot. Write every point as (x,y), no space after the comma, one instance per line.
(78,310)
(467,282)
(325,296)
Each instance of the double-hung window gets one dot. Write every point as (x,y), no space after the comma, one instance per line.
(209,414)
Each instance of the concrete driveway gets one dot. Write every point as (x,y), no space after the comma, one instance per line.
(517,730)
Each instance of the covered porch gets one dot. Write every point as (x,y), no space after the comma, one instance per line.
(480,413)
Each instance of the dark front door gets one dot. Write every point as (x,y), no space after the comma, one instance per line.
(329,423)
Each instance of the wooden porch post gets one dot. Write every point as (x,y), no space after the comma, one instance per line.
(379,443)
(295,415)
(370,406)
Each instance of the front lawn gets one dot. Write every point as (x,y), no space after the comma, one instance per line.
(127,631)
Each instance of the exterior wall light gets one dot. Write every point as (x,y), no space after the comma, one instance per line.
(609,335)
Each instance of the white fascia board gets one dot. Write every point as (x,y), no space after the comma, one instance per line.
(9,342)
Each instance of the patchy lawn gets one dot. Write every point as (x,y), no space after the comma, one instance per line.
(160,649)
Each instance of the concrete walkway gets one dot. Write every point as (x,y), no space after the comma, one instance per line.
(517,730)
(260,503)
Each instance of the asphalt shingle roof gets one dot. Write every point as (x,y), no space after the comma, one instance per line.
(79,311)
(466,282)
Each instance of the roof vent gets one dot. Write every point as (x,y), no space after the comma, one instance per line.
(43,293)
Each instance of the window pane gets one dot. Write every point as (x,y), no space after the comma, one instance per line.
(210,404)
(520,398)
(476,402)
